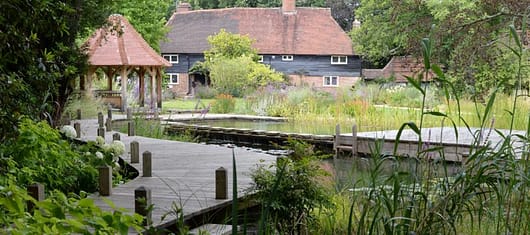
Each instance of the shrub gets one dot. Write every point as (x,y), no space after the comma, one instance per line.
(224,103)
(292,192)
(205,92)
(59,214)
(41,154)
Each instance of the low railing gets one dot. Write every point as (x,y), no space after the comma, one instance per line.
(109,97)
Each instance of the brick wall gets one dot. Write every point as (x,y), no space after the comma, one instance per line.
(317,82)
(182,87)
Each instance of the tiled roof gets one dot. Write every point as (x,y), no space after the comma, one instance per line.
(119,44)
(307,31)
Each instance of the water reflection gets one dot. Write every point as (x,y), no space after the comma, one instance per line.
(360,171)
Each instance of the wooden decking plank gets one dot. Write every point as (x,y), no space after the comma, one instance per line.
(183,173)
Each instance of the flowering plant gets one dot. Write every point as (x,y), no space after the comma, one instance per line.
(69,131)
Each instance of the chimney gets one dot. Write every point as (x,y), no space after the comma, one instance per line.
(183,7)
(288,6)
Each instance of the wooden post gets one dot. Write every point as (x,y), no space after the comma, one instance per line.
(78,114)
(221,184)
(146,160)
(105,180)
(142,202)
(67,119)
(116,136)
(129,113)
(109,111)
(36,191)
(77,127)
(100,119)
(108,124)
(336,141)
(155,111)
(135,152)
(130,128)
(354,140)
(101,132)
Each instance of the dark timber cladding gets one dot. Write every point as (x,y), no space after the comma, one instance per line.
(308,38)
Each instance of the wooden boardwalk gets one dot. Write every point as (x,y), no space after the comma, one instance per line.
(454,149)
(183,173)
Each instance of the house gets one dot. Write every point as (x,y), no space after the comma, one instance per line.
(306,44)
(398,68)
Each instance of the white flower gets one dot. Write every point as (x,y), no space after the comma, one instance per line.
(100,141)
(69,131)
(99,155)
(116,165)
(117,147)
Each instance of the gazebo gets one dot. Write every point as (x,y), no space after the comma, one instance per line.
(118,49)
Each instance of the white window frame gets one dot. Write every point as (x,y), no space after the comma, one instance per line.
(287,57)
(260,58)
(330,81)
(170,78)
(339,60)
(171,57)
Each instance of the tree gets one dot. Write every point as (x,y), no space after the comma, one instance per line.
(467,33)
(228,45)
(148,17)
(343,11)
(232,64)
(241,75)
(40,59)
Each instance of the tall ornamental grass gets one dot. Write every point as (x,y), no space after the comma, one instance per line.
(489,194)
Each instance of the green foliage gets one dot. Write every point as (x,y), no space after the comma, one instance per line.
(40,59)
(205,92)
(290,193)
(147,17)
(232,65)
(211,4)
(386,41)
(228,45)
(470,37)
(155,129)
(59,214)
(89,105)
(492,186)
(41,154)
(224,104)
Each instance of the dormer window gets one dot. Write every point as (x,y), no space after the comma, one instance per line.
(287,57)
(338,59)
(172,58)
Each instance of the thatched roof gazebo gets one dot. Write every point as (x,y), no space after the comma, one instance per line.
(118,49)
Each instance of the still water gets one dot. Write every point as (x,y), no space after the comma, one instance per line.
(317,127)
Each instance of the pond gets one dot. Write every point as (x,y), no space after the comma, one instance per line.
(317,127)
(356,172)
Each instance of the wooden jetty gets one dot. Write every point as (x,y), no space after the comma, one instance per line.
(450,144)
(182,173)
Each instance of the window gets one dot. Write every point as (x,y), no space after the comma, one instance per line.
(339,59)
(287,57)
(260,59)
(173,78)
(172,58)
(331,80)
